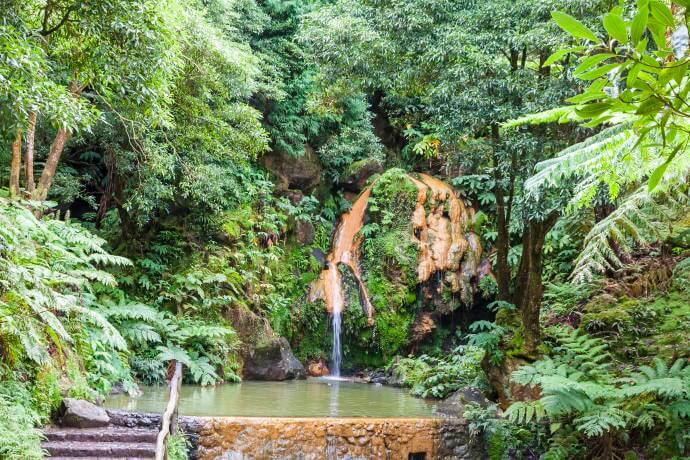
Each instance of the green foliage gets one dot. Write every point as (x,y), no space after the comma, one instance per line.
(488,336)
(438,377)
(636,92)
(651,104)
(355,140)
(178,447)
(562,299)
(503,440)
(18,437)
(581,395)
(26,401)
(43,263)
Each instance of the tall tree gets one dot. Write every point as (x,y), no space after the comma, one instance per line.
(455,71)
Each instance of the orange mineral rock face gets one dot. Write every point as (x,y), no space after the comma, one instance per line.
(439,226)
(345,251)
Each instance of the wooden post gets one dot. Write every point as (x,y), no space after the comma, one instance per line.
(169,418)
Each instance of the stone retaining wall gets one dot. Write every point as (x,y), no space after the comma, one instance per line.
(278,438)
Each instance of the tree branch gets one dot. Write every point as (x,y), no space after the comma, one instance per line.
(45,32)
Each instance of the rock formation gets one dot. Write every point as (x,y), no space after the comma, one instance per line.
(345,251)
(265,355)
(78,413)
(440,227)
(272,360)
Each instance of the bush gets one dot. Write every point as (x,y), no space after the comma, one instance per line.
(597,412)
(428,376)
(18,418)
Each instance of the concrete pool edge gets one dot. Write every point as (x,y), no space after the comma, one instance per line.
(314,438)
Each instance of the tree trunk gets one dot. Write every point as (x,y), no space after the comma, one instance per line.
(502,246)
(56,149)
(502,226)
(529,287)
(16,165)
(50,167)
(29,154)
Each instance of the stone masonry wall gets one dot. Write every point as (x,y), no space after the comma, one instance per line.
(274,438)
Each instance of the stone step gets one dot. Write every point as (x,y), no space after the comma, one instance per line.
(105,434)
(97,449)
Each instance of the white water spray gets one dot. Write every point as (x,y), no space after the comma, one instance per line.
(336,353)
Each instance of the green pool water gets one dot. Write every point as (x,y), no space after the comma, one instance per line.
(301,398)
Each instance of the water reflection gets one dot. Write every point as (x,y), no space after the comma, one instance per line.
(335,391)
(305,398)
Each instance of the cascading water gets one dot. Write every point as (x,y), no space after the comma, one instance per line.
(337,352)
(447,249)
(329,287)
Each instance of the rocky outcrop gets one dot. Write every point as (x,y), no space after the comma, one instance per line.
(273,360)
(317,368)
(301,173)
(265,355)
(304,232)
(250,327)
(423,326)
(507,390)
(454,405)
(449,253)
(355,177)
(78,413)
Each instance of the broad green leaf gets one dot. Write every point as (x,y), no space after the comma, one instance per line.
(598,72)
(590,61)
(656,176)
(560,54)
(658,31)
(674,72)
(651,105)
(593,110)
(639,24)
(573,26)
(616,27)
(658,173)
(679,71)
(645,76)
(661,13)
(632,74)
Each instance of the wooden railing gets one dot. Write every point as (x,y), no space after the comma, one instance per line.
(169,419)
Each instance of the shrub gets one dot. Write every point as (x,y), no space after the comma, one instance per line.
(594,409)
(438,377)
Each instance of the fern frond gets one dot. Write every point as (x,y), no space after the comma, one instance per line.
(577,158)
(680,409)
(525,411)
(641,218)
(561,115)
(601,421)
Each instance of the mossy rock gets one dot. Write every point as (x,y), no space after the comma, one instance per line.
(680,233)
(358,173)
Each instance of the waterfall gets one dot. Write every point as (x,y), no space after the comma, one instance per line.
(336,353)
(441,228)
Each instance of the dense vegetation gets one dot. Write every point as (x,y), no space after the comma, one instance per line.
(171,171)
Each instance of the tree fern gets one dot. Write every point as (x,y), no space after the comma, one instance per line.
(640,219)
(580,393)
(42,264)
(564,114)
